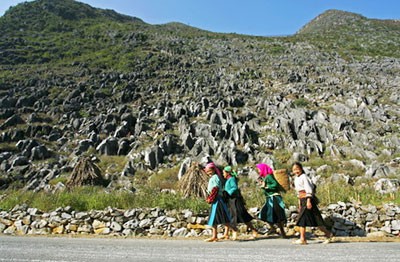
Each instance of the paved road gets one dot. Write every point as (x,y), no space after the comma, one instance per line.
(109,249)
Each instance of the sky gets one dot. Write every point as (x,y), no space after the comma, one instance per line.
(251,17)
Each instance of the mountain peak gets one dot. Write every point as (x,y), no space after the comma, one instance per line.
(330,20)
(64,10)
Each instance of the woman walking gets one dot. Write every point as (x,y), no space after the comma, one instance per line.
(273,211)
(236,205)
(219,212)
(309,214)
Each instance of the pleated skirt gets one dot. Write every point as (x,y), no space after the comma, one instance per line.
(238,211)
(309,217)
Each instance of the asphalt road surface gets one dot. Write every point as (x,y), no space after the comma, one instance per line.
(139,249)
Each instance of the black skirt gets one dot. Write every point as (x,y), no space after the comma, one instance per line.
(309,217)
(238,211)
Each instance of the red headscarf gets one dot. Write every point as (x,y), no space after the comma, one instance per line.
(264,169)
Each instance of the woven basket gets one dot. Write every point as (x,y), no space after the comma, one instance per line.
(282,177)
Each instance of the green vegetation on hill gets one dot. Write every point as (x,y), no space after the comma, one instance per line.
(57,35)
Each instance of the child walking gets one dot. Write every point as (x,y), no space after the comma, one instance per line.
(309,214)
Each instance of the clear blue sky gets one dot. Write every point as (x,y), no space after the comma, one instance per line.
(252,17)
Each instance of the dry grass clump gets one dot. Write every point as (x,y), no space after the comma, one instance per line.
(85,172)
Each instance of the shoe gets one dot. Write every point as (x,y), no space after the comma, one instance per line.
(300,242)
(224,237)
(211,239)
(328,240)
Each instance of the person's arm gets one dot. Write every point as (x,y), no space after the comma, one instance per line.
(212,196)
(271,183)
(213,182)
(309,191)
(309,205)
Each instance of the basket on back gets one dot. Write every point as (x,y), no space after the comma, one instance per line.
(282,176)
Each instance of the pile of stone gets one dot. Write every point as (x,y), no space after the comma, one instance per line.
(345,219)
(350,219)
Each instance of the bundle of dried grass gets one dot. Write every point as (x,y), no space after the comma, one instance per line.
(194,182)
(85,172)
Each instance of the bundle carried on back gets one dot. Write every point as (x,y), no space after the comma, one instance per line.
(282,176)
(194,182)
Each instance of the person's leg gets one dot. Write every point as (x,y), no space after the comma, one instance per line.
(213,236)
(272,229)
(327,233)
(226,232)
(302,240)
(234,234)
(303,234)
(282,229)
(234,230)
(254,231)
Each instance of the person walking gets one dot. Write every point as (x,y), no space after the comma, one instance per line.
(273,211)
(236,205)
(219,213)
(309,214)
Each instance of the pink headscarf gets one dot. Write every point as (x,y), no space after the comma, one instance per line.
(264,169)
(211,165)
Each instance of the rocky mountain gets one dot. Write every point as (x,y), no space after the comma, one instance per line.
(81,81)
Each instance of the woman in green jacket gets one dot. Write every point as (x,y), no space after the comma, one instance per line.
(273,211)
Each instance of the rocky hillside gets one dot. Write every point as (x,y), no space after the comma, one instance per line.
(80,81)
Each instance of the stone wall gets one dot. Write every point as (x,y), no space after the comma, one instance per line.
(345,219)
